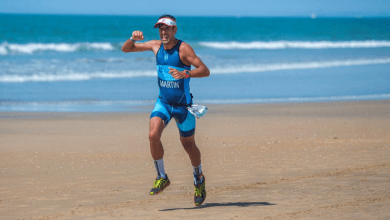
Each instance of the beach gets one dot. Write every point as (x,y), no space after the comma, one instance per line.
(297,127)
(307,160)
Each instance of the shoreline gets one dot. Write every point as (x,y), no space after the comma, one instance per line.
(146,109)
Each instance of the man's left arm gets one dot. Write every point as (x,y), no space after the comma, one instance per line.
(188,57)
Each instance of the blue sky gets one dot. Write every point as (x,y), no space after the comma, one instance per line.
(338,8)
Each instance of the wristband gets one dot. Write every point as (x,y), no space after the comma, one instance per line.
(186,74)
(131,38)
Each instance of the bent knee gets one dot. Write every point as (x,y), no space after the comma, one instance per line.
(188,142)
(154,136)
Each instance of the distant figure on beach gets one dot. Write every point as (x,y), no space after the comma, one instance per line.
(174,60)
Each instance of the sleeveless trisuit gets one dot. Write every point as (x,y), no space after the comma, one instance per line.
(175,96)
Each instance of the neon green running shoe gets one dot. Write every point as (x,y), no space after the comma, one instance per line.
(200,192)
(159,185)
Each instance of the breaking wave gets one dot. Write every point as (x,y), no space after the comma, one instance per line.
(30,48)
(296,99)
(249,68)
(274,45)
(252,68)
(73,76)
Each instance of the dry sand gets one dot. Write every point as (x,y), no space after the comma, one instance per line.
(262,161)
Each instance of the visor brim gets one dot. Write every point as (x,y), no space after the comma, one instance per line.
(158,24)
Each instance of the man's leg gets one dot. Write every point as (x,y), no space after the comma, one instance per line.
(191,149)
(195,157)
(186,127)
(156,128)
(187,138)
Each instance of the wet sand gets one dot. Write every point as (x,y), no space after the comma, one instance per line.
(326,160)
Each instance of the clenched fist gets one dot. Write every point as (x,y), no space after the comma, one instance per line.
(138,35)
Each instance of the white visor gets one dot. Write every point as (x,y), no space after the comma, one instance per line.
(166,21)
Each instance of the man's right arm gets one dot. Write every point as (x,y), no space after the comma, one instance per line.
(131,46)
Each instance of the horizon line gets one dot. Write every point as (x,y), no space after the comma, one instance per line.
(216,16)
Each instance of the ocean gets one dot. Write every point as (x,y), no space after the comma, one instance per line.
(69,63)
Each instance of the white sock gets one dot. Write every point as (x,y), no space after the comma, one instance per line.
(197,172)
(159,165)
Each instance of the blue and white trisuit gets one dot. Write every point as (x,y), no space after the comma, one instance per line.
(175,96)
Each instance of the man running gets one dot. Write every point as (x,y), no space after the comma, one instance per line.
(174,60)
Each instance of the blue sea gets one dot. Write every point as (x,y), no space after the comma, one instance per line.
(68,63)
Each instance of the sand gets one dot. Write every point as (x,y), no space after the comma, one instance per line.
(326,160)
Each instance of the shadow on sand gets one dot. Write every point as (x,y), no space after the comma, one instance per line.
(209,205)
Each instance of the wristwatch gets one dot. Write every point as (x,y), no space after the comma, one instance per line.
(187,74)
(131,38)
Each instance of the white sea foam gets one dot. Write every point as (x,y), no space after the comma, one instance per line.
(249,68)
(295,99)
(77,106)
(72,106)
(82,102)
(74,76)
(3,50)
(273,45)
(6,48)
(291,66)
